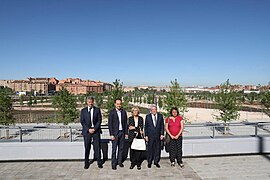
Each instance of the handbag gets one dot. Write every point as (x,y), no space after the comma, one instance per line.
(138,144)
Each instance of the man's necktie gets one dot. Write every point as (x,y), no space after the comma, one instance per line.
(90,116)
(155,120)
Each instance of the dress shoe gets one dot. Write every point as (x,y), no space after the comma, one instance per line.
(121,165)
(139,167)
(157,165)
(149,165)
(181,165)
(114,167)
(86,166)
(100,166)
(131,166)
(91,161)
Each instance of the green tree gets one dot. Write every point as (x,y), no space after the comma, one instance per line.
(6,108)
(35,100)
(21,101)
(116,93)
(30,101)
(160,102)
(144,100)
(175,98)
(99,100)
(81,100)
(227,104)
(265,100)
(66,105)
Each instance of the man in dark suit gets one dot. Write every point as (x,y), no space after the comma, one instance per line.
(154,134)
(118,131)
(91,121)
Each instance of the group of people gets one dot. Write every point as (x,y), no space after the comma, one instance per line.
(121,127)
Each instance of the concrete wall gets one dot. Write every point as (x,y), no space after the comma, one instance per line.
(75,150)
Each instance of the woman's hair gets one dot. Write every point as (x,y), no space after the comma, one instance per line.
(135,108)
(174,108)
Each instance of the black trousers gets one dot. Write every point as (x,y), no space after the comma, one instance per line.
(154,150)
(136,156)
(87,147)
(175,150)
(118,143)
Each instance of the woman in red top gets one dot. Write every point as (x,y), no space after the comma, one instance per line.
(174,127)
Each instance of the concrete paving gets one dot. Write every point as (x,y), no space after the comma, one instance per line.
(229,167)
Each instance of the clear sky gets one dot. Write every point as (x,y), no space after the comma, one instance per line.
(199,42)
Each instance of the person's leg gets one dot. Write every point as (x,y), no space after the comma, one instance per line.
(173,150)
(104,148)
(131,156)
(150,152)
(96,144)
(139,158)
(114,147)
(179,143)
(121,141)
(157,151)
(87,146)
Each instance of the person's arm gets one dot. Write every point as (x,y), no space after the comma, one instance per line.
(162,128)
(141,127)
(83,123)
(146,128)
(130,127)
(181,129)
(167,128)
(110,124)
(99,118)
(126,126)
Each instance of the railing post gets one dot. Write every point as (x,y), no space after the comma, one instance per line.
(214,131)
(256,130)
(70,131)
(20,134)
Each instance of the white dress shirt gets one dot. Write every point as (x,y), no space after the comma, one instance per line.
(91,114)
(153,117)
(120,119)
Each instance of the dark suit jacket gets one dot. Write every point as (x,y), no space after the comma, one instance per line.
(131,122)
(85,120)
(113,122)
(152,131)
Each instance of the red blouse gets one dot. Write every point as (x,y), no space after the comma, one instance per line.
(174,126)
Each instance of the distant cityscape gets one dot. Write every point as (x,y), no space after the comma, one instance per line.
(50,85)
(78,86)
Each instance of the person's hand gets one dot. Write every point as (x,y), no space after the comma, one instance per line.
(146,138)
(91,130)
(141,132)
(112,138)
(131,127)
(126,136)
(161,137)
(176,137)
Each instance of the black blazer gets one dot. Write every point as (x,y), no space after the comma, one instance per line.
(150,130)
(131,122)
(85,120)
(113,122)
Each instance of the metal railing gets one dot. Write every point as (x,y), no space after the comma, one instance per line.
(73,133)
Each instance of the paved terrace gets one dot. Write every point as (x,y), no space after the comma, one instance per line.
(224,167)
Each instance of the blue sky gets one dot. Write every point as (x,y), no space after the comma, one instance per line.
(150,42)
